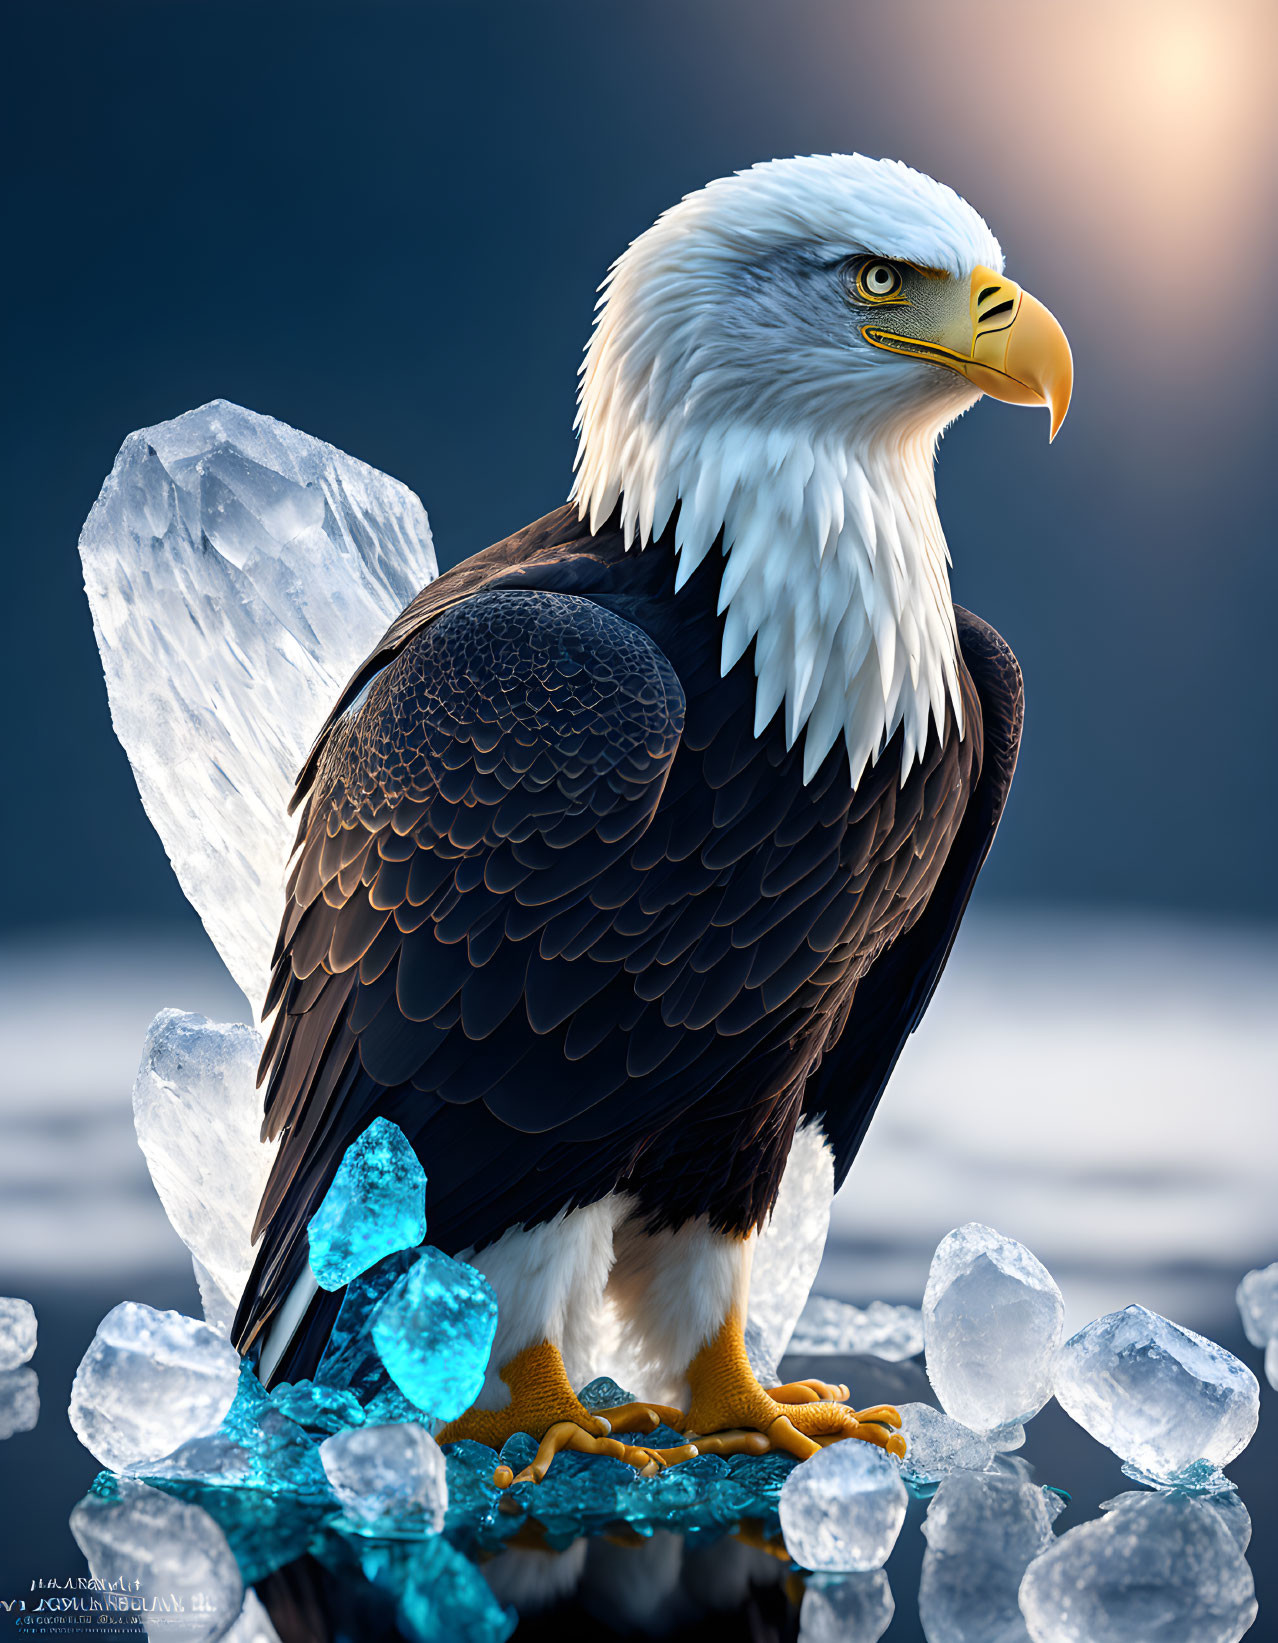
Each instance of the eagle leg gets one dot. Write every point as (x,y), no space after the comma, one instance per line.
(729,1412)
(543,1404)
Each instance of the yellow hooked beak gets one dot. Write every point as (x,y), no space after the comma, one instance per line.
(1007,344)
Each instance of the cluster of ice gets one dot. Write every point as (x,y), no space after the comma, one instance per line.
(238,571)
(388,1473)
(149,1382)
(197,1112)
(19,1401)
(993,1319)
(829,1328)
(375,1206)
(17,1332)
(1156,1568)
(843,1509)
(982,1533)
(1175,1406)
(855,1608)
(937,1446)
(1258,1304)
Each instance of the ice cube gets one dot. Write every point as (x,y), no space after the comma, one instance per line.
(238,571)
(846,1608)
(992,1321)
(1169,1402)
(197,1112)
(143,1544)
(843,1509)
(1258,1304)
(982,1532)
(788,1250)
(937,1445)
(828,1327)
(434,1330)
(388,1472)
(17,1332)
(375,1206)
(19,1401)
(149,1382)
(1156,1568)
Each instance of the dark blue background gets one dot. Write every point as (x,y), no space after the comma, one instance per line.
(384,224)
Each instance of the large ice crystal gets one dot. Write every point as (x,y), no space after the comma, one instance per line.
(19,1401)
(982,1533)
(788,1251)
(382,1473)
(846,1608)
(992,1321)
(434,1330)
(1258,1305)
(17,1332)
(375,1206)
(197,1112)
(237,572)
(828,1327)
(163,1559)
(1155,1568)
(1175,1406)
(149,1382)
(843,1509)
(936,1445)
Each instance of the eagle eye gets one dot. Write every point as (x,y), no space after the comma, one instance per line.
(870,279)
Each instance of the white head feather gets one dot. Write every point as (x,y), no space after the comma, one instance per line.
(720,377)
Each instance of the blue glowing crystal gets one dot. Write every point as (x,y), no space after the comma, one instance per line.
(326,1409)
(434,1331)
(375,1206)
(603,1393)
(257,1447)
(440,1596)
(350,1360)
(391,1405)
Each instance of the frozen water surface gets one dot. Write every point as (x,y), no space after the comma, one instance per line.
(238,571)
(17,1332)
(828,1327)
(197,1111)
(149,1382)
(174,1552)
(992,1321)
(1155,1569)
(1160,1396)
(1258,1305)
(434,1330)
(387,1472)
(842,1509)
(936,1445)
(982,1533)
(375,1206)
(846,1608)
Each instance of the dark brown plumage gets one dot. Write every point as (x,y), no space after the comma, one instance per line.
(565,919)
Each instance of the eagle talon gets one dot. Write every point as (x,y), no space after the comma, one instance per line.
(641,1417)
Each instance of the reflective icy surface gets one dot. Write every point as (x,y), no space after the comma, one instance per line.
(982,1533)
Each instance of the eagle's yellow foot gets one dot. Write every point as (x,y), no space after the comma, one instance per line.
(730,1413)
(543,1404)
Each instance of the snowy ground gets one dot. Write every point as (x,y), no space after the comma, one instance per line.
(1099,1088)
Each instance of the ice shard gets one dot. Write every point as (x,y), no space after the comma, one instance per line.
(150,1382)
(375,1206)
(937,1446)
(434,1330)
(992,1321)
(197,1112)
(237,572)
(1175,1406)
(17,1332)
(1156,1568)
(842,1510)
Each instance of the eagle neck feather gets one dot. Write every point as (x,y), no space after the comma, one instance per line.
(834,565)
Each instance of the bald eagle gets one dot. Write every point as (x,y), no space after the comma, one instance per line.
(643,836)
